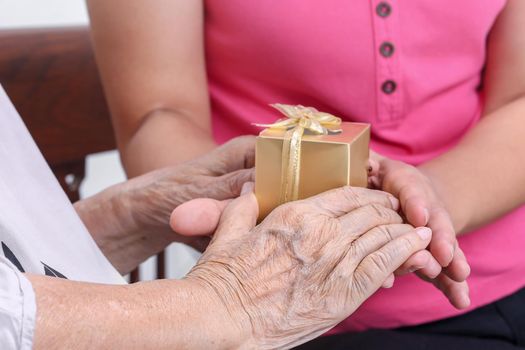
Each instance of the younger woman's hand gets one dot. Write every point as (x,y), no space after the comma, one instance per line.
(447,267)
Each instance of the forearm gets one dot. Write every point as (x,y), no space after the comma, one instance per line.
(151,60)
(482,177)
(130,221)
(122,238)
(165,138)
(167,314)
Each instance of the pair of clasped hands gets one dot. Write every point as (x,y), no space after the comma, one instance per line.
(341,245)
(413,202)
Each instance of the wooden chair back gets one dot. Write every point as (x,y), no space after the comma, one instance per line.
(51,76)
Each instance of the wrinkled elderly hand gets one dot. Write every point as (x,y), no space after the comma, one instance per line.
(447,267)
(308,265)
(219,174)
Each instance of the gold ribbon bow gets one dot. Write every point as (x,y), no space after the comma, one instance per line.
(299,119)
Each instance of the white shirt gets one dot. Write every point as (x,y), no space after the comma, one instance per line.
(40,231)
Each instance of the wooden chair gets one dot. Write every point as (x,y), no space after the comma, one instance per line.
(51,76)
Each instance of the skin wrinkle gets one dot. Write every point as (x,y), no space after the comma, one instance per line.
(311,254)
(236,296)
(305,240)
(189,187)
(228,288)
(355,197)
(302,262)
(140,208)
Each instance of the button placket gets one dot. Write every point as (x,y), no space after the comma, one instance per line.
(388,92)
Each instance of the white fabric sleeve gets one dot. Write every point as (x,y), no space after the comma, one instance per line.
(17,308)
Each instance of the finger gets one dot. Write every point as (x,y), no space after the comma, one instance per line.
(372,271)
(444,239)
(398,179)
(363,219)
(373,182)
(373,173)
(373,167)
(343,200)
(415,204)
(376,238)
(229,185)
(411,193)
(389,282)
(415,209)
(239,216)
(238,153)
(423,262)
(198,217)
(459,268)
(456,292)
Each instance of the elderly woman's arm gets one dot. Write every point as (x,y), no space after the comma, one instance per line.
(319,274)
(151,59)
(130,221)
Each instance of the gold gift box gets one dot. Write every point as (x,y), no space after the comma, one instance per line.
(327,162)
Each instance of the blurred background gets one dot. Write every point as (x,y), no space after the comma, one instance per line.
(102,169)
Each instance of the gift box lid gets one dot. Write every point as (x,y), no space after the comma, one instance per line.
(350,131)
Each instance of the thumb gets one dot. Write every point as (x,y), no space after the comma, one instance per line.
(239,217)
(197,217)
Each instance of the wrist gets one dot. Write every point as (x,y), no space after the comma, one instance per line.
(451,198)
(99,214)
(227,324)
(110,218)
(148,210)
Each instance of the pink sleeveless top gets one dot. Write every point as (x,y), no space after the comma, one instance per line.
(410,68)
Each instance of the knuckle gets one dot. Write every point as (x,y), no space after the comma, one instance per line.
(402,173)
(239,143)
(386,232)
(394,176)
(237,180)
(440,211)
(225,186)
(377,210)
(352,194)
(380,261)
(383,213)
(406,245)
(411,192)
(363,280)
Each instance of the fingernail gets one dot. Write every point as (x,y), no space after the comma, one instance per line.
(427,215)
(424,232)
(466,267)
(247,188)
(394,201)
(466,299)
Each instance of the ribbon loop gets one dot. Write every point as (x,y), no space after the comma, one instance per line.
(299,119)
